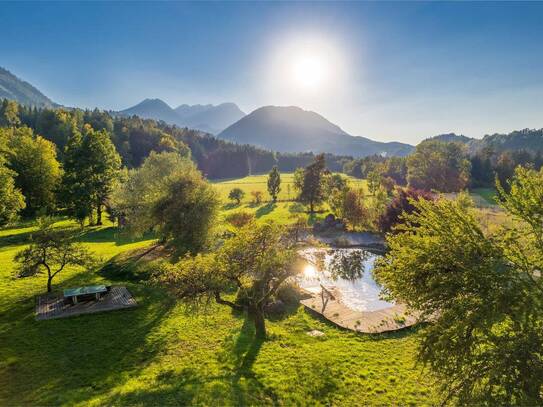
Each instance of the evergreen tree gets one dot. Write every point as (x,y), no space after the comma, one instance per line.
(274,183)
(312,192)
(91,167)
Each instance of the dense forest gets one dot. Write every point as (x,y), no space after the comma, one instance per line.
(134,138)
(497,157)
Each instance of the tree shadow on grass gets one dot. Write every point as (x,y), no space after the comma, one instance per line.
(112,233)
(240,353)
(265,209)
(69,360)
(228,206)
(234,384)
(296,207)
(15,239)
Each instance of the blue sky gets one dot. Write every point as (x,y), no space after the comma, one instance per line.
(394,71)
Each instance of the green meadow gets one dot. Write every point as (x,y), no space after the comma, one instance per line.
(165,353)
(284,210)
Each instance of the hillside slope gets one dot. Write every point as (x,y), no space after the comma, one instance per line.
(13,88)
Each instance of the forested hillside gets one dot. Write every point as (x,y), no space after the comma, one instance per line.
(134,139)
(527,139)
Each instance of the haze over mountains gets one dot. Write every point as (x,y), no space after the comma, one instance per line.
(209,118)
(292,129)
(282,129)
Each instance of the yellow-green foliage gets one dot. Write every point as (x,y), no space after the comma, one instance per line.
(161,353)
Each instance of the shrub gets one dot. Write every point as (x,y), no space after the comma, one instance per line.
(257,197)
(240,219)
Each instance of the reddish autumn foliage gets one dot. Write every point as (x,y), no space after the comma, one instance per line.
(401,203)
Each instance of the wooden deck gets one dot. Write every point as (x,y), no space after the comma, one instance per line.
(51,306)
(385,320)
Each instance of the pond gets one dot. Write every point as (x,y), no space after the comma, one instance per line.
(356,288)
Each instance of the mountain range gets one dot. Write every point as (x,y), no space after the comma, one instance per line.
(14,88)
(209,118)
(283,129)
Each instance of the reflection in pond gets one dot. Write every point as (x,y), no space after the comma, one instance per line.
(345,275)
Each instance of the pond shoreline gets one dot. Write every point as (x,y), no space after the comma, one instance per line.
(367,240)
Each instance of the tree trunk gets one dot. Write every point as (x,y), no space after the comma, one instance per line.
(257,314)
(99,214)
(311,207)
(49,287)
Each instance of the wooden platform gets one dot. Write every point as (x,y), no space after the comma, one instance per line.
(51,306)
(385,320)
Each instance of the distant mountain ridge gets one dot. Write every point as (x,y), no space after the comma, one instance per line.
(526,139)
(209,118)
(291,129)
(13,88)
(283,129)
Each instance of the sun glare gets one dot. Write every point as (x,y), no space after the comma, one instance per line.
(309,71)
(310,271)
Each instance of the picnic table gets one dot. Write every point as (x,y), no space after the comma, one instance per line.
(73,293)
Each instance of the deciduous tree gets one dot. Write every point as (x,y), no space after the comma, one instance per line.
(256,262)
(34,160)
(482,294)
(11,199)
(51,251)
(236,194)
(439,166)
(401,204)
(168,194)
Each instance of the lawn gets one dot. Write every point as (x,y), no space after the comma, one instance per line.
(163,353)
(488,195)
(284,211)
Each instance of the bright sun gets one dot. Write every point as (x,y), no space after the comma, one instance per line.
(310,271)
(309,71)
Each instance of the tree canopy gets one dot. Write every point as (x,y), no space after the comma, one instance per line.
(51,251)
(167,194)
(38,173)
(439,166)
(91,168)
(312,189)
(481,293)
(256,261)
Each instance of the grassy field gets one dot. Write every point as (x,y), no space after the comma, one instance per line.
(283,211)
(484,195)
(260,183)
(161,353)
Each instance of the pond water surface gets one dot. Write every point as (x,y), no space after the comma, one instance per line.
(360,294)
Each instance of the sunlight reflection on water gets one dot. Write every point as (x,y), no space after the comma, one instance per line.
(361,294)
